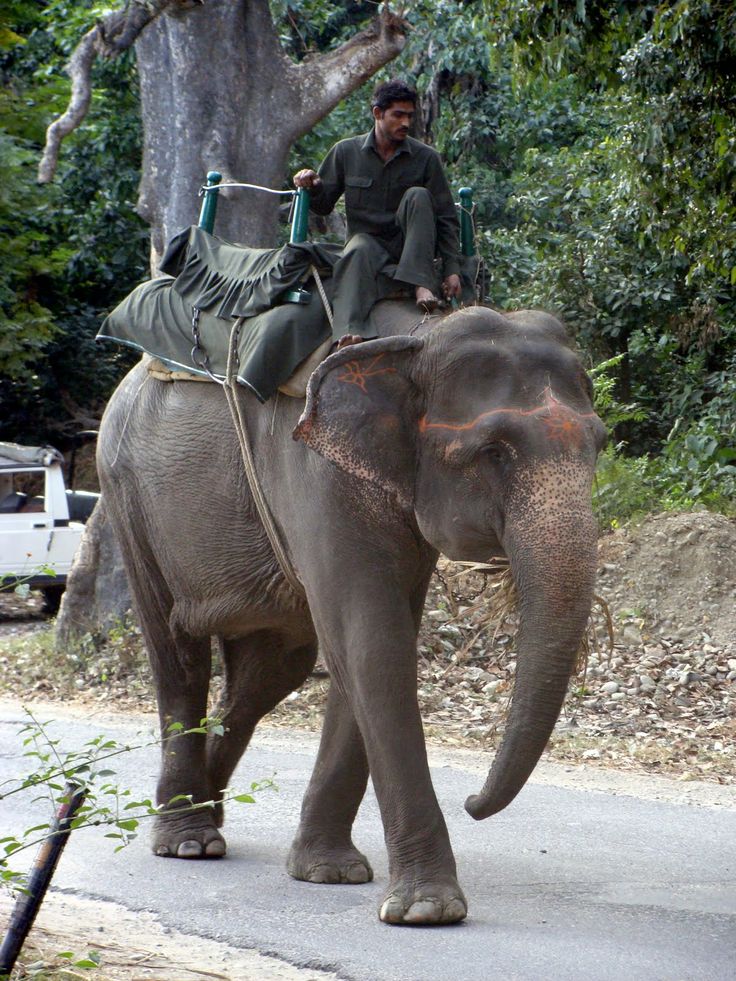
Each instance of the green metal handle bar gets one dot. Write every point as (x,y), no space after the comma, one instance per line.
(209,204)
(299,231)
(210,192)
(300,218)
(299,222)
(467,243)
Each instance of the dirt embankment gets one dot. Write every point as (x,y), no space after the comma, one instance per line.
(674,576)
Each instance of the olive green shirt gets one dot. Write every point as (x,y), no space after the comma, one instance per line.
(373,190)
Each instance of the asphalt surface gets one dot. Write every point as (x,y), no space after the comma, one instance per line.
(566,884)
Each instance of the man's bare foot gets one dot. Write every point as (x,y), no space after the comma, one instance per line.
(347,339)
(426,300)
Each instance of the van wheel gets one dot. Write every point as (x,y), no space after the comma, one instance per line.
(51,600)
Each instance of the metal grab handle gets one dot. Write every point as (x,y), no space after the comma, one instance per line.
(300,218)
(211,189)
(467,243)
(209,204)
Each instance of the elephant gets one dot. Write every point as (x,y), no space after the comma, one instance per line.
(472,434)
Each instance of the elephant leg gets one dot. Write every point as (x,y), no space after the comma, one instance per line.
(180,832)
(323,849)
(369,640)
(180,665)
(259,671)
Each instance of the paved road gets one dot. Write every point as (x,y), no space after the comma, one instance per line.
(564,885)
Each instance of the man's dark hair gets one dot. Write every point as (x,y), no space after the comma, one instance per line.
(396,90)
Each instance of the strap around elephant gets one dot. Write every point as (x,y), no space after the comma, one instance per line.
(231,393)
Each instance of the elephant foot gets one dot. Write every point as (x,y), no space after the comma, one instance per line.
(431,903)
(188,836)
(328,864)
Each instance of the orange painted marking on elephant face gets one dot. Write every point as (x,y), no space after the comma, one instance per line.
(356,373)
(562,423)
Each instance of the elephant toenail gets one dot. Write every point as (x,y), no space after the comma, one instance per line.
(392,911)
(189,849)
(216,849)
(163,851)
(424,911)
(324,875)
(357,874)
(455,911)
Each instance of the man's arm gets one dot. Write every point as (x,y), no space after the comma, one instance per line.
(326,185)
(448,226)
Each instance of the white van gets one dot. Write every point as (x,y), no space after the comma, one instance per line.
(40,534)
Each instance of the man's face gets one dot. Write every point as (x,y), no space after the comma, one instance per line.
(393,123)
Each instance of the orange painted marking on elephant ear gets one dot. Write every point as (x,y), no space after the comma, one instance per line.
(356,374)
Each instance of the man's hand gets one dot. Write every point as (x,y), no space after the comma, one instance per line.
(307,178)
(451,286)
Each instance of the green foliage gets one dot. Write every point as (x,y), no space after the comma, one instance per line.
(310,26)
(20,584)
(610,410)
(70,250)
(26,258)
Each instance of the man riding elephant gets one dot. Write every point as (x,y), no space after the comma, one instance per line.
(399,211)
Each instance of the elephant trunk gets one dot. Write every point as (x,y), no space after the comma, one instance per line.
(552,552)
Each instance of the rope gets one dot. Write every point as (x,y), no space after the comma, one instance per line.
(325,301)
(230,387)
(208,188)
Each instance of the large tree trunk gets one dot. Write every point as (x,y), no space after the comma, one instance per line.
(217,93)
(97,596)
(213,97)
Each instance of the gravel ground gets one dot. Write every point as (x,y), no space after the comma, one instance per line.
(662,699)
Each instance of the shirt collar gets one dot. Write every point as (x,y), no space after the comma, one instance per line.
(369,143)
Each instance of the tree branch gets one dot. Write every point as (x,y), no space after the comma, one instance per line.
(79,68)
(108,38)
(326,79)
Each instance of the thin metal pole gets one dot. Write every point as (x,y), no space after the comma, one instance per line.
(28,904)
(467,245)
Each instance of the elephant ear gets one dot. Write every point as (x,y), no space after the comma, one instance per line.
(362,410)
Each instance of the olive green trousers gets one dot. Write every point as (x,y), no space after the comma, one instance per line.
(371,268)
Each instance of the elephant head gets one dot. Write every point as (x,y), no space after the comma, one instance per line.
(483,431)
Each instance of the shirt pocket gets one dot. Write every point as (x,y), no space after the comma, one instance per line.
(357,191)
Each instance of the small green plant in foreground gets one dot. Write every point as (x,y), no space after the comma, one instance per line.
(106,805)
(20,584)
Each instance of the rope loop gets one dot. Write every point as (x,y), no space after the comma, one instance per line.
(230,386)
(209,188)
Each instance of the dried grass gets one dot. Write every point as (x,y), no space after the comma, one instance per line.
(497,603)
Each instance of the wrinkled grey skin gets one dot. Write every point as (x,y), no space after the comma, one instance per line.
(475,437)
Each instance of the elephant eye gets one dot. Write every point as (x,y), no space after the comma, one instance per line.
(499,451)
